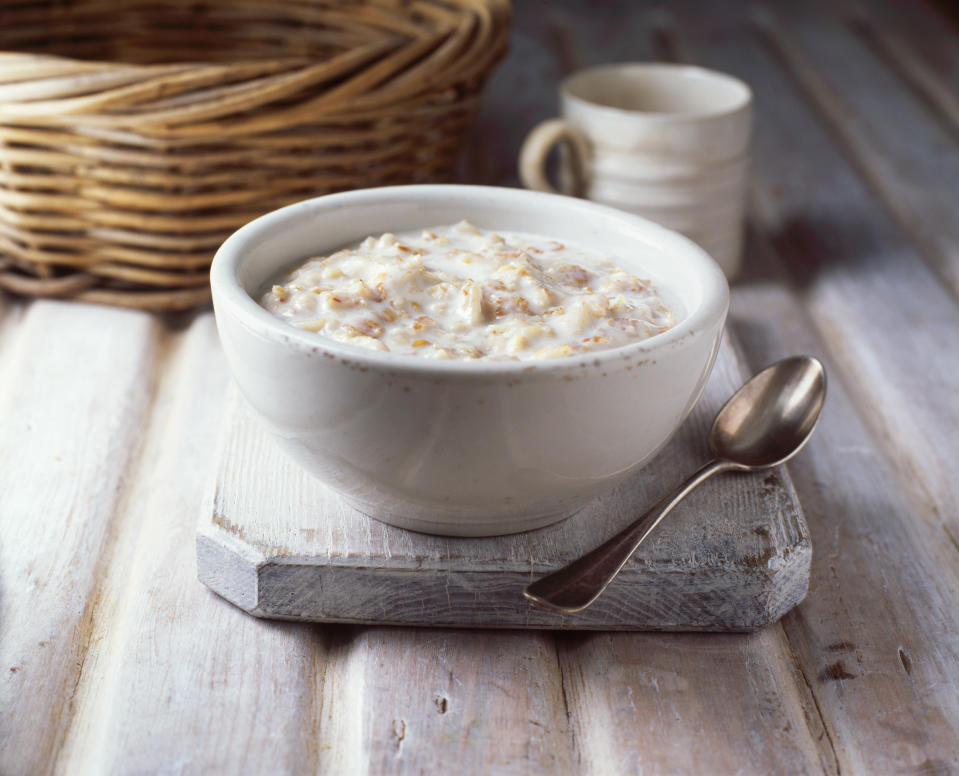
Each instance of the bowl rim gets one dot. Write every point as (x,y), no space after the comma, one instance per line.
(739,106)
(229,292)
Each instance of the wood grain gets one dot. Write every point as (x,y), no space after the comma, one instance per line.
(64,464)
(906,159)
(725,688)
(735,556)
(480,702)
(155,691)
(854,269)
(143,670)
(863,622)
(886,369)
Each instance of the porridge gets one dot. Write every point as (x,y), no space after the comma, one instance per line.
(458,292)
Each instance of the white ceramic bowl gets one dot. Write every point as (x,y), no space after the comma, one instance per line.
(465,448)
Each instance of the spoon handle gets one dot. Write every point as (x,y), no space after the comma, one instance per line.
(575,586)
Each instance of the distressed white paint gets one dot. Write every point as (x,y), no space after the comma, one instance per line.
(97,549)
(70,423)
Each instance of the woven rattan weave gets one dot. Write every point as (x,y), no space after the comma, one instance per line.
(135,136)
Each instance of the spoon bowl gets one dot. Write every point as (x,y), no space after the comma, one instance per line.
(765,423)
(769,419)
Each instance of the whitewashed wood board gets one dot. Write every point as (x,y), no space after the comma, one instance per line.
(277,543)
(62,461)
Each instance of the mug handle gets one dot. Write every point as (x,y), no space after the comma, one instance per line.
(536,147)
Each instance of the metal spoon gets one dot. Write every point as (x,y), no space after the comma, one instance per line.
(764,424)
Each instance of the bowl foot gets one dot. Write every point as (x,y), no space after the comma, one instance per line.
(439,524)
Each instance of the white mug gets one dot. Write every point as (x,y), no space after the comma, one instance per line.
(668,142)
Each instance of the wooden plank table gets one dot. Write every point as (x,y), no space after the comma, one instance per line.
(114,659)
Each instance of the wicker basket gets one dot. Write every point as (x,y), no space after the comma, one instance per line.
(135,136)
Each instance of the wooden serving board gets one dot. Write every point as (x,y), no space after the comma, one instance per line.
(734,556)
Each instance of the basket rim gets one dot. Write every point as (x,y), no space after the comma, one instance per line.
(494,10)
